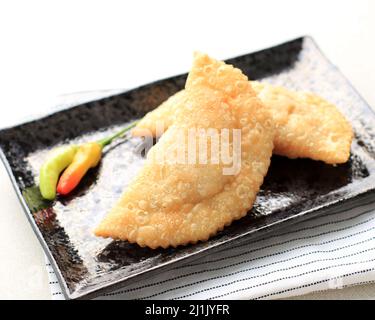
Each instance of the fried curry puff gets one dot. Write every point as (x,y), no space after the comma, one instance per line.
(307,126)
(171,204)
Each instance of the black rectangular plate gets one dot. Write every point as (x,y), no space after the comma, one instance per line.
(293,190)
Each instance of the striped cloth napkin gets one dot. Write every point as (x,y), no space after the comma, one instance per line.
(328,252)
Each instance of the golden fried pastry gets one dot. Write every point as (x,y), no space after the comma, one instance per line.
(307,126)
(171,204)
(164,115)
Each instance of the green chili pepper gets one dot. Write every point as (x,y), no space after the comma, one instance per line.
(76,160)
(57,161)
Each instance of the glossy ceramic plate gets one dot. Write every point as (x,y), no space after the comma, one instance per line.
(293,189)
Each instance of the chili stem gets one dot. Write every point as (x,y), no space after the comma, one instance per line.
(108,140)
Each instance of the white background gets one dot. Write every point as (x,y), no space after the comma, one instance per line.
(48,48)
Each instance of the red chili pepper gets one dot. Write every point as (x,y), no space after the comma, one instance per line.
(88,156)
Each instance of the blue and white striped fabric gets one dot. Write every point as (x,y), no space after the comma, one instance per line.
(328,252)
